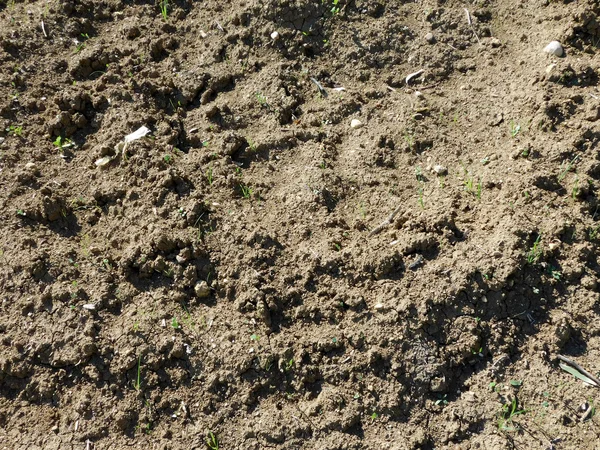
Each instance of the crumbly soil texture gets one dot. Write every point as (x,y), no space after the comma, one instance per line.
(347,224)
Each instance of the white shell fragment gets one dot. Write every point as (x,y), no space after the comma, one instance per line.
(137,134)
(89,307)
(554,48)
(275,35)
(356,123)
(104,161)
(413,75)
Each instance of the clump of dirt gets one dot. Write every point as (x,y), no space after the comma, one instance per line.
(258,272)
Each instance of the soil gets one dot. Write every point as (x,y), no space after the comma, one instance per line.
(256,272)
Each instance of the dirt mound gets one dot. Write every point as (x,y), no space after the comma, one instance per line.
(352,224)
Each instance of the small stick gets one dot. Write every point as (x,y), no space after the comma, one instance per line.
(471,25)
(319,86)
(386,222)
(44,30)
(581,369)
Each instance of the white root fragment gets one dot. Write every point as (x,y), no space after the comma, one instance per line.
(413,75)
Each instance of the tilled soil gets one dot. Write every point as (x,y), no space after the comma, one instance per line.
(311,248)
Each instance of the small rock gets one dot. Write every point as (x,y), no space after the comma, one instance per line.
(275,35)
(554,48)
(495,42)
(550,68)
(440,170)
(378,306)
(430,38)
(89,307)
(202,290)
(202,34)
(30,166)
(562,333)
(356,123)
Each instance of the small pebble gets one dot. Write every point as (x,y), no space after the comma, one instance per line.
(379,306)
(30,166)
(89,307)
(356,123)
(440,170)
(202,290)
(202,34)
(430,38)
(275,35)
(554,48)
(495,42)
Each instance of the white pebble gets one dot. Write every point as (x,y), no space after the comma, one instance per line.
(202,34)
(275,35)
(429,37)
(356,123)
(89,307)
(554,48)
(379,306)
(440,170)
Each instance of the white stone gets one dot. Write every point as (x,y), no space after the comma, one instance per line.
(554,48)
(275,35)
(440,170)
(202,34)
(379,306)
(356,123)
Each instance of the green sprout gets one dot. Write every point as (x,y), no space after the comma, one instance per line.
(507,414)
(14,130)
(514,129)
(163,5)
(211,441)
(246,191)
(536,251)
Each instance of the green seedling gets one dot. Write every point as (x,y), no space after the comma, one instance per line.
(409,139)
(566,168)
(421,200)
(246,191)
(442,400)
(255,337)
(175,323)
(289,365)
(335,7)
(507,415)
(262,100)
(14,130)
(138,381)
(62,143)
(211,441)
(535,252)
(514,129)
(81,45)
(163,5)
(209,175)
(168,159)
(593,233)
